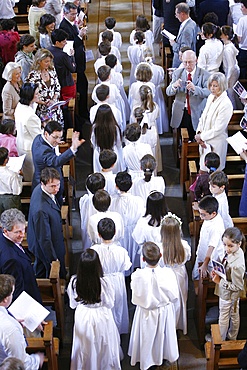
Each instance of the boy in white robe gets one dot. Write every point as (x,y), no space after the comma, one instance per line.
(134,150)
(103,94)
(107,160)
(101,202)
(104,50)
(94,182)
(154,290)
(131,208)
(110,23)
(115,261)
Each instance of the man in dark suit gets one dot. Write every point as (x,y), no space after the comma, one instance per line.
(44,154)
(45,233)
(187,32)
(14,260)
(67,24)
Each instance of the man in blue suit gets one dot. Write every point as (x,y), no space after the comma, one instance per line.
(45,233)
(44,154)
(14,260)
(187,32)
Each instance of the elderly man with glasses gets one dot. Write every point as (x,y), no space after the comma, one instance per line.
(189,86)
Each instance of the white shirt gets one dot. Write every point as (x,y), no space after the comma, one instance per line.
(241,31)
(210,55)
(10,182)
(13,341)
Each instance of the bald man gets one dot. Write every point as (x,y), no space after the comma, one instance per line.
(189,85)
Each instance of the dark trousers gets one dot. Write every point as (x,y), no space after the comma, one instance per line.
(187,123)
(242,62)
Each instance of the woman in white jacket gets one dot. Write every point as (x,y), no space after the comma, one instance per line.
(28,125)
(212,128)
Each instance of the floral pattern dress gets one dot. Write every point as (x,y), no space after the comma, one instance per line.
(47,92)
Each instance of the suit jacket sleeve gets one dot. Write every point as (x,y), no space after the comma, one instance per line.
(186,38)
(13,267)
(50,159)
(80,57)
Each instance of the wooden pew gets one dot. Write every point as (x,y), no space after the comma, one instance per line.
(47,344)
(52,293)
(221,354)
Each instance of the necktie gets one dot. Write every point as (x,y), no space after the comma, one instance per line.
(188,95)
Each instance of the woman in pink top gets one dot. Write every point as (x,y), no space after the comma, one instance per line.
(7,136)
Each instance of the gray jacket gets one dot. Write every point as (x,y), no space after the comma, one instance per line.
(198,98)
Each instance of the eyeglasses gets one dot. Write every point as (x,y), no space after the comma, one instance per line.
(56,137)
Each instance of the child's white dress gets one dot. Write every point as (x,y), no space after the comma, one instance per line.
(115,261)
(86,210)
(133,152)
(153,335)
(143,189)
(149,39)
(96,341)
(117,38)
(134,96)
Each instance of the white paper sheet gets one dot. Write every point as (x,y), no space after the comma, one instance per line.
(27,309)
(238,142)
(15,163)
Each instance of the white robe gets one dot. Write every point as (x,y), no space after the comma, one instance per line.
(153,335)
(96,341)
(115,261)
(116,113)
(213,126)
(143,189)
(231,70)
(117,38)
(131,209)
(110,185)
(117,148)
(210,55)
(115,98)
(116,78)
(143,232)
(134,96)
(132,155)
(162,121)
(101,62)
(93,223)
(86,210)
(136,56)
(182,280)
(149,39)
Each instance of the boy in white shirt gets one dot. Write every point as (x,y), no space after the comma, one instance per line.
(218,182)
(10,184)
(210,244)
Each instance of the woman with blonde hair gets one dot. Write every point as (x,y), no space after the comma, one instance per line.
(44,74)
(11,90)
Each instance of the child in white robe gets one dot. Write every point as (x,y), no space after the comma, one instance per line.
(116,78)
(148,226)
(104,74)
(94,182)
(175,253)
(107,160)
(134,150)
(106,134)
(154,290)
(103,95)
(162,121)
(115,261)
(136,54)
(108,36)
(110,23)
(144,186)
(96,340)
(101,202)
(104,50)
(143,25)
(131,208)
(143,76)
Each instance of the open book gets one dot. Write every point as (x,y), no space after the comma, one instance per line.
(238,142)
(240,90)
(219,269)
(60,103)
(168,34)
(27,309)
